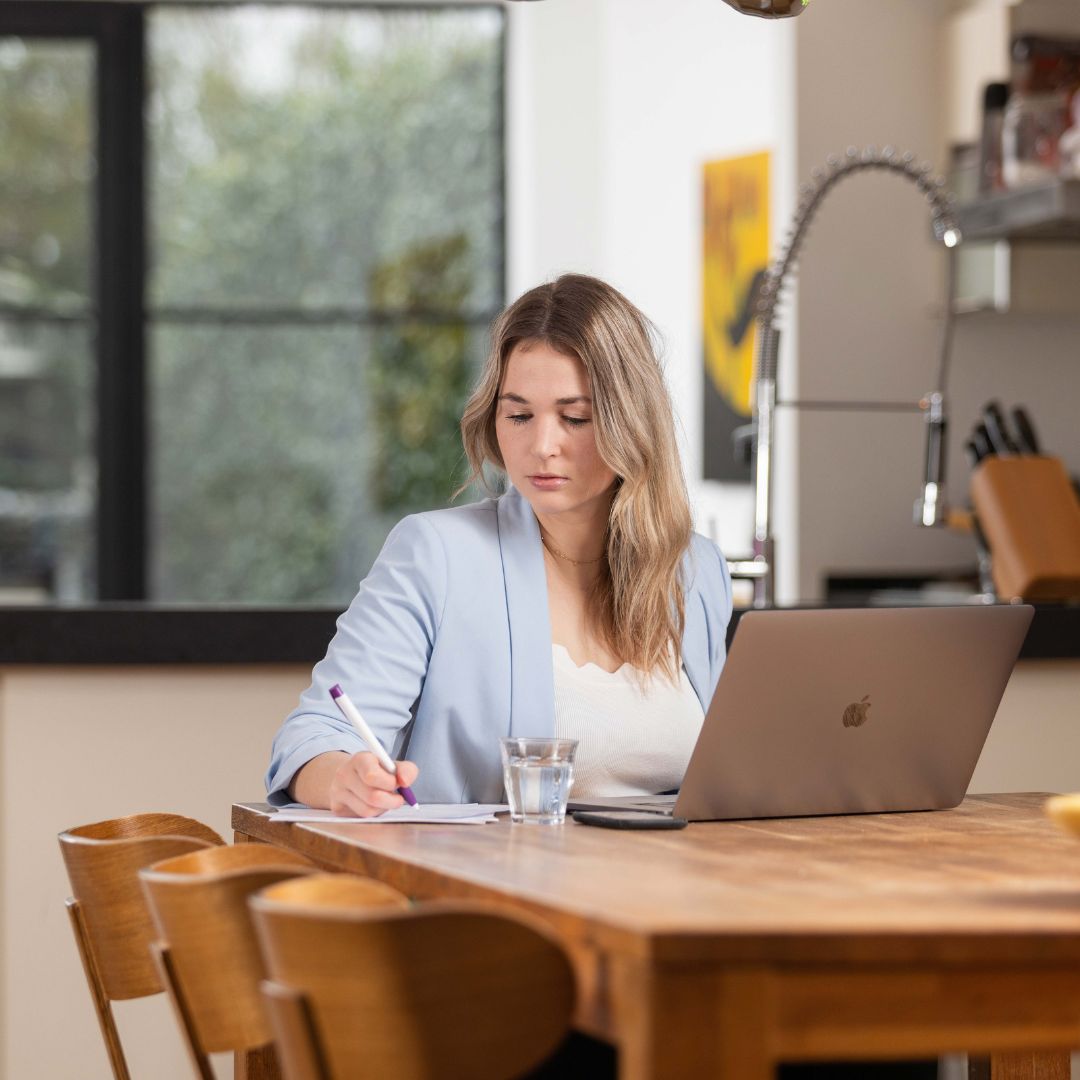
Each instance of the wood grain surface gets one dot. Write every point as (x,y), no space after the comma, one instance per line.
(989,880)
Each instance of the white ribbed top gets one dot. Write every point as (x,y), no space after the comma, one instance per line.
(631,741)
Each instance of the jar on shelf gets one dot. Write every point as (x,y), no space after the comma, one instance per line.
(1031,131)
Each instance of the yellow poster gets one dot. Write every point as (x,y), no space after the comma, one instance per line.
(735,256)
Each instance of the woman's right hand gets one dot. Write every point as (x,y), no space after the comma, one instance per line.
(361,787)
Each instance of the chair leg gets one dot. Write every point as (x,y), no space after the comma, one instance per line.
(199,1058)
(294,1032)
(102,1006)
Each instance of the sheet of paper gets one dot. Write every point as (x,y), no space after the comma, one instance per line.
(428,813)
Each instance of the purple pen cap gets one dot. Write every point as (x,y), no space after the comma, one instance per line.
(336,691)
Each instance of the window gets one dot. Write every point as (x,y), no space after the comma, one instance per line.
(299,249)
(47,325)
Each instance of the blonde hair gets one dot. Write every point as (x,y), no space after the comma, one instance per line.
(637,605)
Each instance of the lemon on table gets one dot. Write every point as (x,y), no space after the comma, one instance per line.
(1065,810)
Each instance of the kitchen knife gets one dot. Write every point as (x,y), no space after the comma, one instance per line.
(996,430)
(1026,438)
(981,441)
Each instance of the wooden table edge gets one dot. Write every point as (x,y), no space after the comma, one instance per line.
(958,949)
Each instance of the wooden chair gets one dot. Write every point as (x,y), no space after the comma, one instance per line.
(452,991)
(108,913)
(206,948)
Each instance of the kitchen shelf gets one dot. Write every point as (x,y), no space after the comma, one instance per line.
(1049,211)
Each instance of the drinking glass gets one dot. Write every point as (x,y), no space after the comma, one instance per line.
(538,774)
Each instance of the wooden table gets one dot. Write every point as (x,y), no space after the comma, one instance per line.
(729,946)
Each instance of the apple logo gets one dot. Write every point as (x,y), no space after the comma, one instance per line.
(855,715)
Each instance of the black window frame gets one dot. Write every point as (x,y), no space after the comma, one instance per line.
(120,216)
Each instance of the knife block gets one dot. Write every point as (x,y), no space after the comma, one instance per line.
(1030,516)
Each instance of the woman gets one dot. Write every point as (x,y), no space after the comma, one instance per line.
(579,603)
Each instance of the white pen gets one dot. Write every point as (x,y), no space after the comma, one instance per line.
(352,714)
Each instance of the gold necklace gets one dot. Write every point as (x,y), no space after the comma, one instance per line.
(555,551)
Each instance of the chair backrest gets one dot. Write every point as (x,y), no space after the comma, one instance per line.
(347,892)
(452,991)
(103,860)
(207,943)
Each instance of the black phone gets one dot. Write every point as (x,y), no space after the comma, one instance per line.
(628,819)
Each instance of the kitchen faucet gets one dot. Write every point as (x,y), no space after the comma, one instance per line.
(930,506)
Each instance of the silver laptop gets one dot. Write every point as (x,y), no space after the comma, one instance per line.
(846,712)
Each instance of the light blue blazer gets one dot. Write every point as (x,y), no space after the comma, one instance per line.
(447,647)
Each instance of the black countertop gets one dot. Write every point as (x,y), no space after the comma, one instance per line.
(152,634)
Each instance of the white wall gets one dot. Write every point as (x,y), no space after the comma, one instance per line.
(869,277)
(615,105)
(1034,744)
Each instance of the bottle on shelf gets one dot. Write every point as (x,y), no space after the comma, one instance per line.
(995,98)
